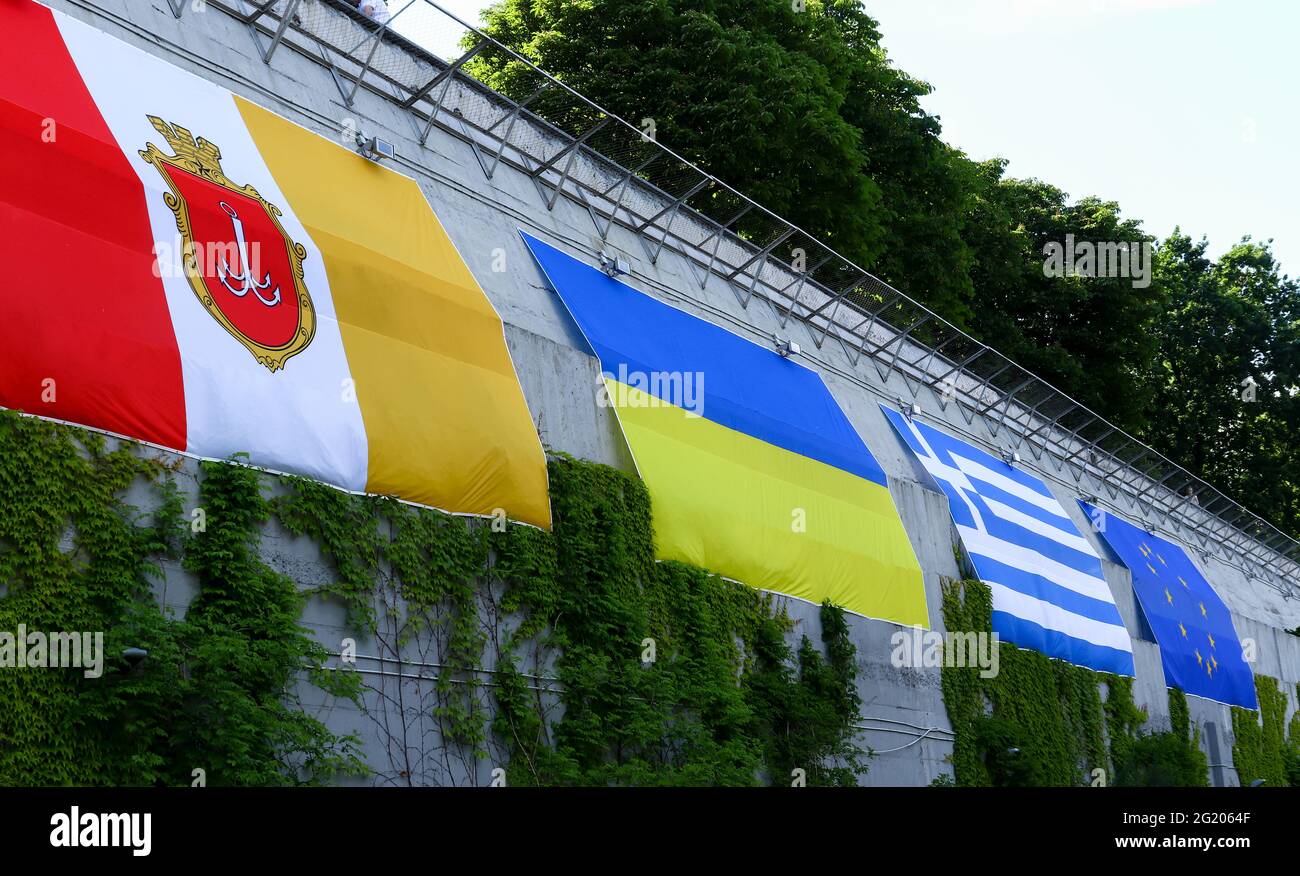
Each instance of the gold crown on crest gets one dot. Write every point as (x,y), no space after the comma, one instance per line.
(199,154)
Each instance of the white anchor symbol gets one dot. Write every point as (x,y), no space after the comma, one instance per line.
(244,277)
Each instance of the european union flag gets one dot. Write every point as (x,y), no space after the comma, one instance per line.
(1198,643)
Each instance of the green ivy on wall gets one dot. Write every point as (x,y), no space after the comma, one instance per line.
(662,673)
(665,674)
(1124,719)
(1172,758)
(1180,717)
(405,575)
(1042,722)
(670,675)
(1261,749)
(212,693)
(1293,749)
(1037,722)
(242,650)
(71,559)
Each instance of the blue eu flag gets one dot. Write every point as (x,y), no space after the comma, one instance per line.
(1198,644)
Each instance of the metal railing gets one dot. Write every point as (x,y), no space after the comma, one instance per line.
(570,146)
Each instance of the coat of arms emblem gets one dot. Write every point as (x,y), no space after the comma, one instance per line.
(242,265)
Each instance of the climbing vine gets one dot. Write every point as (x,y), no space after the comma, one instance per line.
(1293,749)
(72,558)
(408,581)
(1037,722)
(215,692)
(1260,747)
(566,657)
(243,650)
(1124,720)
(572,656)
(1180,719)
(1171,758)
(669,675)
(1043,722)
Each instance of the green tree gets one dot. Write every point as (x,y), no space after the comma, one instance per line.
(799,109)
(1089,336)
(925,184)
(803,111)
(1224,384)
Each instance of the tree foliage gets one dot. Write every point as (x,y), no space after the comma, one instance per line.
(800,110)
(1086,335)
(1223,383)
(799,106)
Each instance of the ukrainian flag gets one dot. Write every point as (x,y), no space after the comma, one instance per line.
(753,469)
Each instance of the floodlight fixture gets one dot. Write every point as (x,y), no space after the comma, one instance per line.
(375,148)
(614,265)
(786,348)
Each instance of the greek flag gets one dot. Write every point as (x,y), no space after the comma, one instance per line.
(1048,590)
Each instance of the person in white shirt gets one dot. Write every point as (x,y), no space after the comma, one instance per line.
(375,10)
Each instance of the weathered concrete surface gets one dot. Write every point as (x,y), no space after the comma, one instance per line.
(483,218)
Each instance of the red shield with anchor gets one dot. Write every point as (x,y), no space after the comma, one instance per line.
(244,269)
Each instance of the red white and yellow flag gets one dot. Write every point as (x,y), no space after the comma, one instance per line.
(187,268)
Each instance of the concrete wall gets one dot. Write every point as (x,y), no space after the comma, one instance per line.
(902,709)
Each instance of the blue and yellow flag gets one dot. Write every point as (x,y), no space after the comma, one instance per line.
(753,469)
(1198,643)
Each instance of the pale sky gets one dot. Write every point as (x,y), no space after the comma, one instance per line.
(1186,112)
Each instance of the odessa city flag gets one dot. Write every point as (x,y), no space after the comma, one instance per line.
(1199,648)
(189,269)
(753,469)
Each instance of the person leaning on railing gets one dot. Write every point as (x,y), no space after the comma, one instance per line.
(375,10)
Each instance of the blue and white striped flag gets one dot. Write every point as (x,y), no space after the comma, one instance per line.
(1048,590)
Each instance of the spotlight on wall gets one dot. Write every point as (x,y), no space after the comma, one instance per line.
(1010,457)
(785,348)
(614,265)
(375,148)
(909,409)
